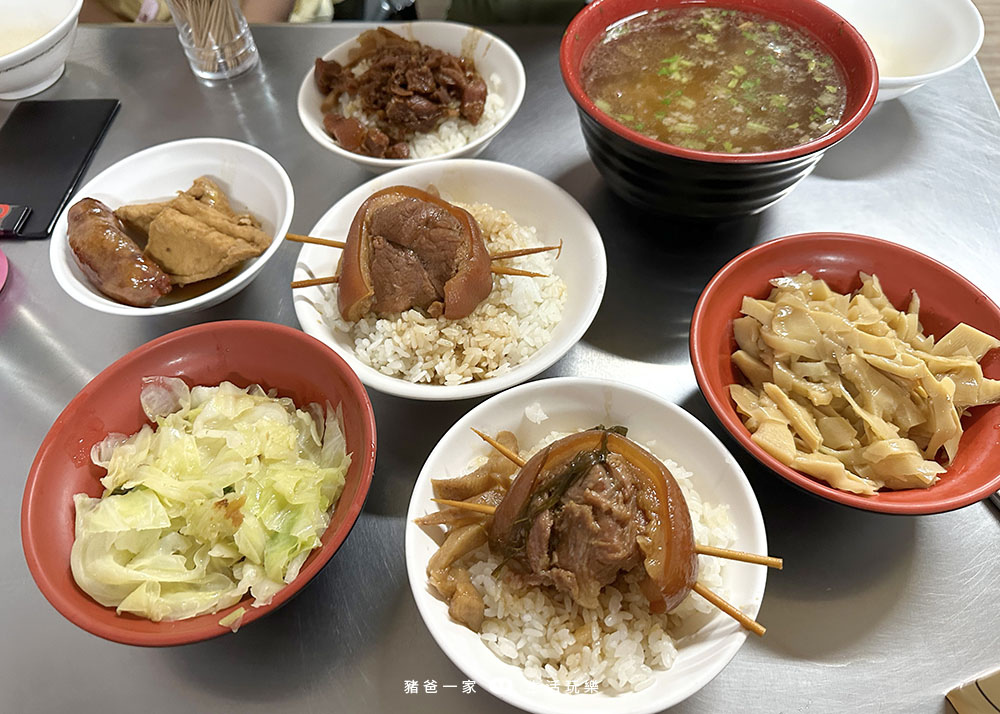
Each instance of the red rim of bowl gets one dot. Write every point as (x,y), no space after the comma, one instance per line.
(65,602)
(725,412)
(571,76)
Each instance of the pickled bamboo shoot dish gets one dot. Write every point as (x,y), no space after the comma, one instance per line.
(849,390)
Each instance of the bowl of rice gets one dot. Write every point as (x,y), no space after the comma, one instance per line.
(522,327)
(537,649)
(495,61)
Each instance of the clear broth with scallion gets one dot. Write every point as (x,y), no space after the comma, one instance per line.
(716,80)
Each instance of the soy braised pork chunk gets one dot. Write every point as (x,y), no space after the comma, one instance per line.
(406,88)
(111,260)
(409,249)
(591,506)
(582,546)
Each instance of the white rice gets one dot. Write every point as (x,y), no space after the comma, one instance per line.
(510,325)
(617,646)
(534,413)
(453,133)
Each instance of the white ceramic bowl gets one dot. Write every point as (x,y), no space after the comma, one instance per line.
(252,179)
(572,404)
(914,41)
(48,27)
(491,54)
(531,200)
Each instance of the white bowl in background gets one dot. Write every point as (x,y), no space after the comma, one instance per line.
(253,180)
(914,41)
(531,200)
(491,55)
(572,404)
(35,40)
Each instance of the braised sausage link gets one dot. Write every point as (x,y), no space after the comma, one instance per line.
(111,260)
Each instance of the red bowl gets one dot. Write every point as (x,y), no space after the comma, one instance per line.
(705,184)
(946,298)
(242,352)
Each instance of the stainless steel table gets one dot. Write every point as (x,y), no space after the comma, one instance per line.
(872,613)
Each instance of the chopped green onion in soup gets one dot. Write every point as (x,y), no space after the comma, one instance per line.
(739,81)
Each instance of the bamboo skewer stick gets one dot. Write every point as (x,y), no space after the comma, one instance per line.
(527,251)
(768,560)
(315,281)
(738,615)
(330,243)
(497,270)
(295,238)
(501,448)
(742,556)
(735,613)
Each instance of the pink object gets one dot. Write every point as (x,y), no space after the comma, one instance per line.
(3,269)
(148,11)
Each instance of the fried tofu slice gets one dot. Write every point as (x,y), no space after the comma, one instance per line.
(243,227)
(138,216)
(190,250)
(197,235)
(204,191)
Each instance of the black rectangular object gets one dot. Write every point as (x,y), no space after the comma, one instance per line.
(12,218)
(45,148)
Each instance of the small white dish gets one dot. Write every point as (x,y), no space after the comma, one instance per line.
(531,200)
(253,180)
(491,55)
(572,404)
(42,33)
(914,41)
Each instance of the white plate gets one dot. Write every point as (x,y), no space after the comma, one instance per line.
(491,55)
(571,404)
(531,200)
(252,179)
(914,41)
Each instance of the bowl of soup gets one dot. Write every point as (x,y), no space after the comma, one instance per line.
(713,110)
(34,43)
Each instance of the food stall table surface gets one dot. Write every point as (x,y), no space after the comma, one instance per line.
(871,613)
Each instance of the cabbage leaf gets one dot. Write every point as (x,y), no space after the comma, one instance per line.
(226,495)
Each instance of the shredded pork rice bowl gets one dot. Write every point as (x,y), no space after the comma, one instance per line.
(453,133)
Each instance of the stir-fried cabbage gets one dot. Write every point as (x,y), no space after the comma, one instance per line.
(228,494)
